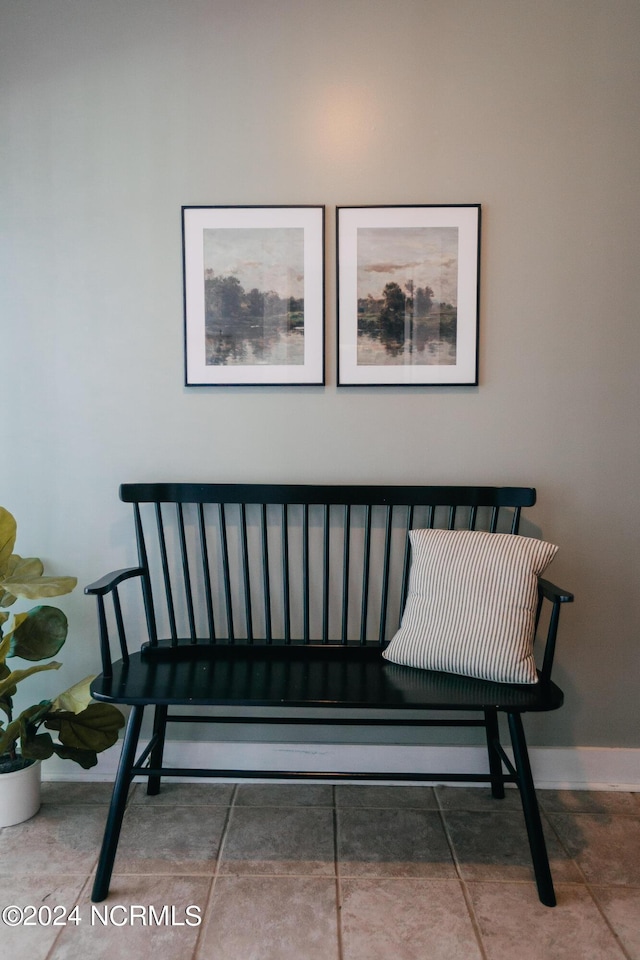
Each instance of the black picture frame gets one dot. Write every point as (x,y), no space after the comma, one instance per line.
(253,295)
(408,294)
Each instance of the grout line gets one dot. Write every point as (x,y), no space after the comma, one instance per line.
(474,919)
(223,840)
(452,849)
(338,879)
(339,937)
(206,916)
(606,919)
(208,907)
(86,885)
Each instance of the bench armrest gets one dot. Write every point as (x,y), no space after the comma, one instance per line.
(108,585)
(549,591)
(111,580)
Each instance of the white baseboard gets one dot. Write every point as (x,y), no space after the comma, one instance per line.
(571,768)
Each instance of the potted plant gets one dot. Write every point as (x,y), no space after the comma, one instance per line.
(82,728)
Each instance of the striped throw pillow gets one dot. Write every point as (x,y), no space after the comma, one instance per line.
(471,604)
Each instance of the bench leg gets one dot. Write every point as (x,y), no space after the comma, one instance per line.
(531,812)
(155,761)
(117,807)
(492,731)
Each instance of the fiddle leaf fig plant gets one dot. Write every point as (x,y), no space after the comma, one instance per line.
(82,727)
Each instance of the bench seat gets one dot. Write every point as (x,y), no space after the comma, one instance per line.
(319,676)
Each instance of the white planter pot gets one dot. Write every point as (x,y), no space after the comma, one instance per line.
(19,794)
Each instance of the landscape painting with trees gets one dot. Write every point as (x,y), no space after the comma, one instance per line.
(254,295)
(407,295)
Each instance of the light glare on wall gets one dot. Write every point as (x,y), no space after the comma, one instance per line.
(346,122)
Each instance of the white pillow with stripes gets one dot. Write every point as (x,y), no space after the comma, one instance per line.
(471,604)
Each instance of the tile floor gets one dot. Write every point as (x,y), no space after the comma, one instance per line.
(317,872)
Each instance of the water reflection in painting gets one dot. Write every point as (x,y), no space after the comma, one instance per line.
(407,302)
(254,295)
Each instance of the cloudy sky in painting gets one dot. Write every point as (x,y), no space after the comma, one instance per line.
(426,255)
(269,258)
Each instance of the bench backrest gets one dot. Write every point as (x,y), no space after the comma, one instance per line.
(262,563)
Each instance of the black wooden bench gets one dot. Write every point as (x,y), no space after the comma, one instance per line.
(284,596)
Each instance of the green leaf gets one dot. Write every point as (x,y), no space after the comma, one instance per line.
(86,758)
(16,568)
(38,634)
(77,698)
(23,578)
(36,714)
(16,676)
(7,538)
(9,736)
(6,703)
(95,728)
(38,746)
(5,648)
(24,727)
(33,746)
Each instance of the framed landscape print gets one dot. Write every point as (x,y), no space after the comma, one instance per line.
(408,280)
(253,295)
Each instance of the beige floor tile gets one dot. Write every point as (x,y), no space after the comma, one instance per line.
(366,795)
(284,795)
(61,838)
(513,923)
(492,846)
(606,847)
(588,801)
(271,918)
(279,840)
(393,843)
(406,920)
(177,839)
(45,902)
(478,799)
(185,794)
(621,907)
(132,929)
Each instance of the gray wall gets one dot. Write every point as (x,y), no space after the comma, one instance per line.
(114,113)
